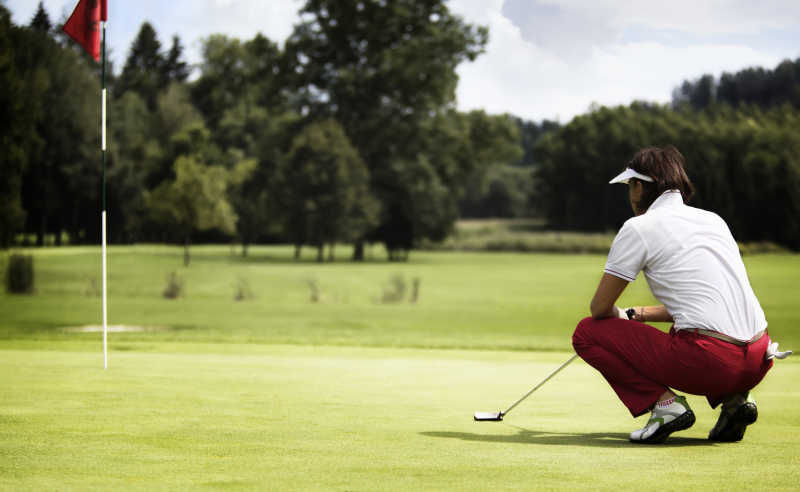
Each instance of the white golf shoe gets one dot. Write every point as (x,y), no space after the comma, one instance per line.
(667,417)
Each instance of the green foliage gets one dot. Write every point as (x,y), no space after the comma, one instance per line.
(60,94)
(16,128)
(41,21)
(530,133)
(324,188)
(743,162)
(175,68)
(195,200)
(503,191)
(19,274)
(751,86)
(143,70)
(384,75)
(381,69)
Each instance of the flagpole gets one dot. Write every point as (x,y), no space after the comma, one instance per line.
(103,212)
(82,26)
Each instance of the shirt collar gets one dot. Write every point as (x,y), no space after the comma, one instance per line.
(669,198)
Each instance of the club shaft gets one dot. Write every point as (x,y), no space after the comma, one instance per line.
(562,366)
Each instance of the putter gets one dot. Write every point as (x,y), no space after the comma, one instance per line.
(498,416)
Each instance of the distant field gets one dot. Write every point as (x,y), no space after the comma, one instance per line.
(530,236)
(465,300)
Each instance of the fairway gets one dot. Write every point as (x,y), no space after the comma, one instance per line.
(328,418)
(277,392)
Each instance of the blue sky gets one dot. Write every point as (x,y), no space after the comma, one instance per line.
(545,59)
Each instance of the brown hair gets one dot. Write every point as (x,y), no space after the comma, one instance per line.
(665,166)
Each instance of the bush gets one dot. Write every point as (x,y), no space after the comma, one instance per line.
(174,288)
(242,291)
(395,291)
(19,274)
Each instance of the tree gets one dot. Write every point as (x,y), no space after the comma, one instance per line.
(143,72)
(195,200)
(241,96)
(175,68)
(222,81)
(380,69)
(743,163)
(257,199)
(133,166)
(530,132)
(59,188)
(324,189)
(459,148)
(765,88)
(238,82)
(502,192)
(41,21)
(16,128)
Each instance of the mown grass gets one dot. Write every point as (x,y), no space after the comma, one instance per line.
(466,300)
(273,417)
(277,392)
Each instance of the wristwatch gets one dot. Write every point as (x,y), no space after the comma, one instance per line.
(630,312)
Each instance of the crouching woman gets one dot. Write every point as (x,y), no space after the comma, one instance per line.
(718,345)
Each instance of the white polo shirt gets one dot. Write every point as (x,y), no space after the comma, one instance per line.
(692,265)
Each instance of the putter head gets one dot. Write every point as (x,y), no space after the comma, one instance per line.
(488,416)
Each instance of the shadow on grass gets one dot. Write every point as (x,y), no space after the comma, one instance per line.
(599,439)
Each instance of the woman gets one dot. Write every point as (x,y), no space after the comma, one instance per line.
(717,347)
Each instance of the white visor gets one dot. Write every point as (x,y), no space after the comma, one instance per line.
(629,173)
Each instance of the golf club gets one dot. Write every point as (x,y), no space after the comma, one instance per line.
(497,416)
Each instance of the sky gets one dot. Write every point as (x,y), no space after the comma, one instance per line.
(546,59)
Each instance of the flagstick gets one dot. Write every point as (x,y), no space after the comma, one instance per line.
(103,213)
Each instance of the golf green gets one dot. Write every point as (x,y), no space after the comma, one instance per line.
(277,417)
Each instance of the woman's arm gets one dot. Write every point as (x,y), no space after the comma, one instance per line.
(608,291)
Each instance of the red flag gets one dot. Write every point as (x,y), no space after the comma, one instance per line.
(84,25)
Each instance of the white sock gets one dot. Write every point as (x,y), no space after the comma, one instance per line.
(665,403)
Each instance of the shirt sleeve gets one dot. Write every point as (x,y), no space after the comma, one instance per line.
(627,255)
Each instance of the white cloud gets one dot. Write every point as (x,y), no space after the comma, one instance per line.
(241,19)
(545,58)
(562,68)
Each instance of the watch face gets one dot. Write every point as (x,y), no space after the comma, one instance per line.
(630,312)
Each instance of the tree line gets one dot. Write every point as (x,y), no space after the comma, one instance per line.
(348,133)
(744,162)
(752,86)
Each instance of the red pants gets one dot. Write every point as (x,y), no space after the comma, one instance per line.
(641,362)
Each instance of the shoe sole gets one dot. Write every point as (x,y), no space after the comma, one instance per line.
(746,414)
(685,421)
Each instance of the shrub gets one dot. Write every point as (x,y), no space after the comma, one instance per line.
(242,290)
(415,290)
(395,291)
(19,274)
(314,288)
(174,288)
